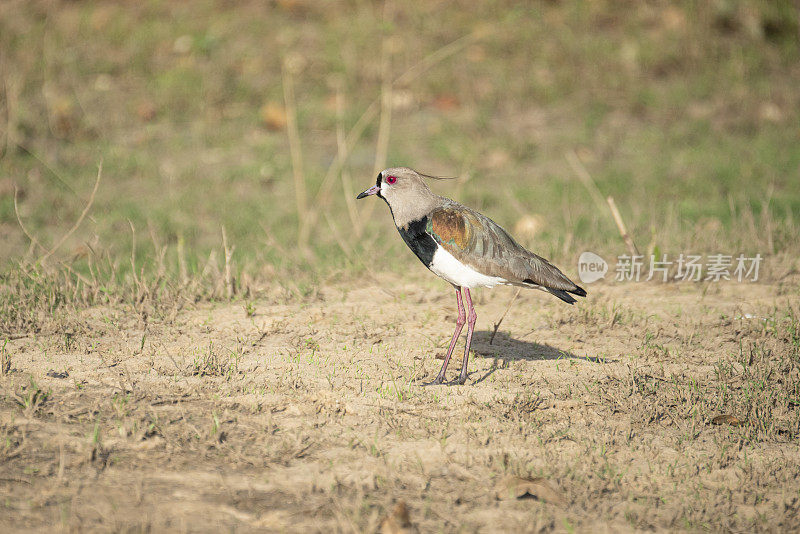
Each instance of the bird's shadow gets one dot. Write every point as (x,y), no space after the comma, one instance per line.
(504,349)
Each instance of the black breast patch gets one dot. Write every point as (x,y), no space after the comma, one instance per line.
(419,240)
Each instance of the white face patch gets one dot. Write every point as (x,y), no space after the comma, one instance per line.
(448,267)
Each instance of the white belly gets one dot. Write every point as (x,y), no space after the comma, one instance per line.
(455,272)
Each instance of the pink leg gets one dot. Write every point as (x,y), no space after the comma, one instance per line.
(470,328)
(459,325)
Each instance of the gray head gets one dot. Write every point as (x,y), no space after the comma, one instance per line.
(406,193)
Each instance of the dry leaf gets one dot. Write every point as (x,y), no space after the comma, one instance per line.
(727,419)
(273,116)
(398,522)
(538,488)
(446,102)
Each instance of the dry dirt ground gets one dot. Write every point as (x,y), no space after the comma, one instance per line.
(311,416)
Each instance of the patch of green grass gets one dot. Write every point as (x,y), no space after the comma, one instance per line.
(762,388)
(216,363)
(31,398)
(755,393)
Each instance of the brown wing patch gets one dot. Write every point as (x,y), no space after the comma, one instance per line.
(450,227)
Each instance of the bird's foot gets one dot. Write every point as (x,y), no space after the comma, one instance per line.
(461,380)
(439,380)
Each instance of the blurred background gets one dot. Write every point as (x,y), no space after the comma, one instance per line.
(265,119)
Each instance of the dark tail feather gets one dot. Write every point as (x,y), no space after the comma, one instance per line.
(563,295)
(578,291)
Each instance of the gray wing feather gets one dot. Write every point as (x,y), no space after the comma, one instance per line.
(489,249)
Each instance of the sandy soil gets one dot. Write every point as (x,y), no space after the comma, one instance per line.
(312,417)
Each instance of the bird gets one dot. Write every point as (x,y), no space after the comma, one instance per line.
(464,247)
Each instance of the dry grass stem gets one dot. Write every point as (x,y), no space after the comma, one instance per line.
(385,121)
(12,84)
(371,112)
(586,179)
(133,253)
(183,271)
(345,248)
(497,324)
(623,232)
(437,56)
(341,146)
(295,148)
(766,218)
(5,359)
(230,288)
(25,231)
(80,218)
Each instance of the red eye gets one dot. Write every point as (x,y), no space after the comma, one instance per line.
(391,179)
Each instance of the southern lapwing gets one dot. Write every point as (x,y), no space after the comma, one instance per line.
(464,247)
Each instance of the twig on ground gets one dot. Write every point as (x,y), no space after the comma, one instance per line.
(499,321)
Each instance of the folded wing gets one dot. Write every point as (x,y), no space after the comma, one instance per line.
(482,244)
